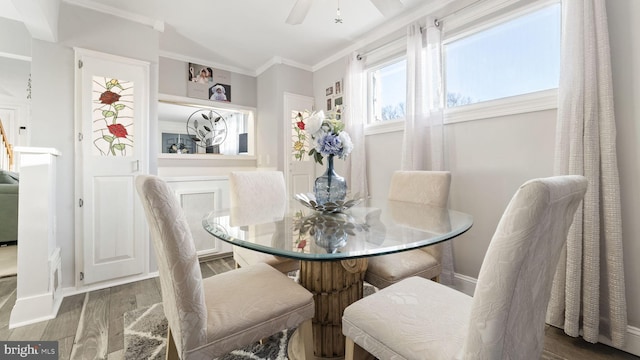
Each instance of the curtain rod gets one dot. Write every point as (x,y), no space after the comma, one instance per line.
(437,22)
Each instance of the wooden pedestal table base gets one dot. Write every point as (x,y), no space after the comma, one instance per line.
(335,285)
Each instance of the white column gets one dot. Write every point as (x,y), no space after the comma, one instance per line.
(39,293)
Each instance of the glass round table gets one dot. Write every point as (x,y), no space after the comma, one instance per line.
(333,248)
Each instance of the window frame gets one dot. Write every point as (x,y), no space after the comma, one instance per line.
(464,24)
(370,71)
(512,105)
(390,53)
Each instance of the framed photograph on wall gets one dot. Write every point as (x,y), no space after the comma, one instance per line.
(220,92)
(329,104)
(329,91)
(337,106)
(338,87)
(206,82)
(200,74)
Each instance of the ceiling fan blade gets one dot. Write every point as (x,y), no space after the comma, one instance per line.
(387,7)
(299,12)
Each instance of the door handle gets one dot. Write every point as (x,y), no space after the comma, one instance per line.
(136,165)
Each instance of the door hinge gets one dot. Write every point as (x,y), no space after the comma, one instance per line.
(80,64)
(80,202)
(81,275)
(80,137)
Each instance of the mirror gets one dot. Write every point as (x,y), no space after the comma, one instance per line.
(201,129)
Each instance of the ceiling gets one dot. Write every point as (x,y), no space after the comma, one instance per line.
(253,34)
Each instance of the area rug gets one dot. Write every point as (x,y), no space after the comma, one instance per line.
(145,333)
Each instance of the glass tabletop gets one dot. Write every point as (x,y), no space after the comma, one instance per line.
(294,231)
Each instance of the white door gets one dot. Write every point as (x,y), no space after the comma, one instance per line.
(299,167)
(113,96)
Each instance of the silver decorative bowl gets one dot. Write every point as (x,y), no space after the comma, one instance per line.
(309,200)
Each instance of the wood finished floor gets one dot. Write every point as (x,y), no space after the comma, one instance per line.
(90,326)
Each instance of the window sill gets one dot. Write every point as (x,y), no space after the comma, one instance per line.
(538,101)
(384,127)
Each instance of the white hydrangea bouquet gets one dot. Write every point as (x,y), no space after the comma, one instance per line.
(327,133)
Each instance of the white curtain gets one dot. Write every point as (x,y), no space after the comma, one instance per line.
(354,119)
(423,144)
(588,293)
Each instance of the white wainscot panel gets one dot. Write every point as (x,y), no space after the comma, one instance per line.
(198,195)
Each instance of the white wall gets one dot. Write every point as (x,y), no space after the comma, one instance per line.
(322,79)
(489,159)
(15,67)
(15,77)
(15,39)
(272,84)
(173,81)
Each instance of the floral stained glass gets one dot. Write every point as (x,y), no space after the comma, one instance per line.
(113,116)
(299,141)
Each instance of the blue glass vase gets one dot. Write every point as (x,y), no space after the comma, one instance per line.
(330,187)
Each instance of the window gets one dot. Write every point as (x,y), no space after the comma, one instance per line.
(516,57)
(387,91)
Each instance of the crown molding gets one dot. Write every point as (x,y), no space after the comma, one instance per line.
(15,56)
(277,60)
(156,24)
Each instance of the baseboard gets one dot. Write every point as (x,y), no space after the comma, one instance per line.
(632,345)
(467,285)
(34,309)
(73,290)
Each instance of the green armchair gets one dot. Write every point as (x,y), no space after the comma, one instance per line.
(8,207)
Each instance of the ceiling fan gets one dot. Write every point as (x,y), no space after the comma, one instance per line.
(301,8)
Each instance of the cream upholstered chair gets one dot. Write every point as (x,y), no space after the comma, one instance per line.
(423,187)
(211,317)
(253,192)
(421,319)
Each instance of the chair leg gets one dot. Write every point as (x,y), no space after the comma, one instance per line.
(306,332)
(353,351)
(172,351)
(348,348)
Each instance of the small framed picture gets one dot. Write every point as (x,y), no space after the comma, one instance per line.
(337,101)
(329,91)
(338,87)
(329,104)
(200,74)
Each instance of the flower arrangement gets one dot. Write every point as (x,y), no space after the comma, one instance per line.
(327,133)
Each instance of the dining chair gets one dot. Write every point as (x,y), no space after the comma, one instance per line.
(251,192)
(421,187)
(420,319)
(210,317)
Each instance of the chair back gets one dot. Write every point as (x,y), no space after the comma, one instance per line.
(180,277)
(248,188)
(257,196)
(514,284)
(423,187)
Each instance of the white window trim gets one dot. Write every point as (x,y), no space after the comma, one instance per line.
(391,59)
(514,105)
(520,104)
(383,127)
